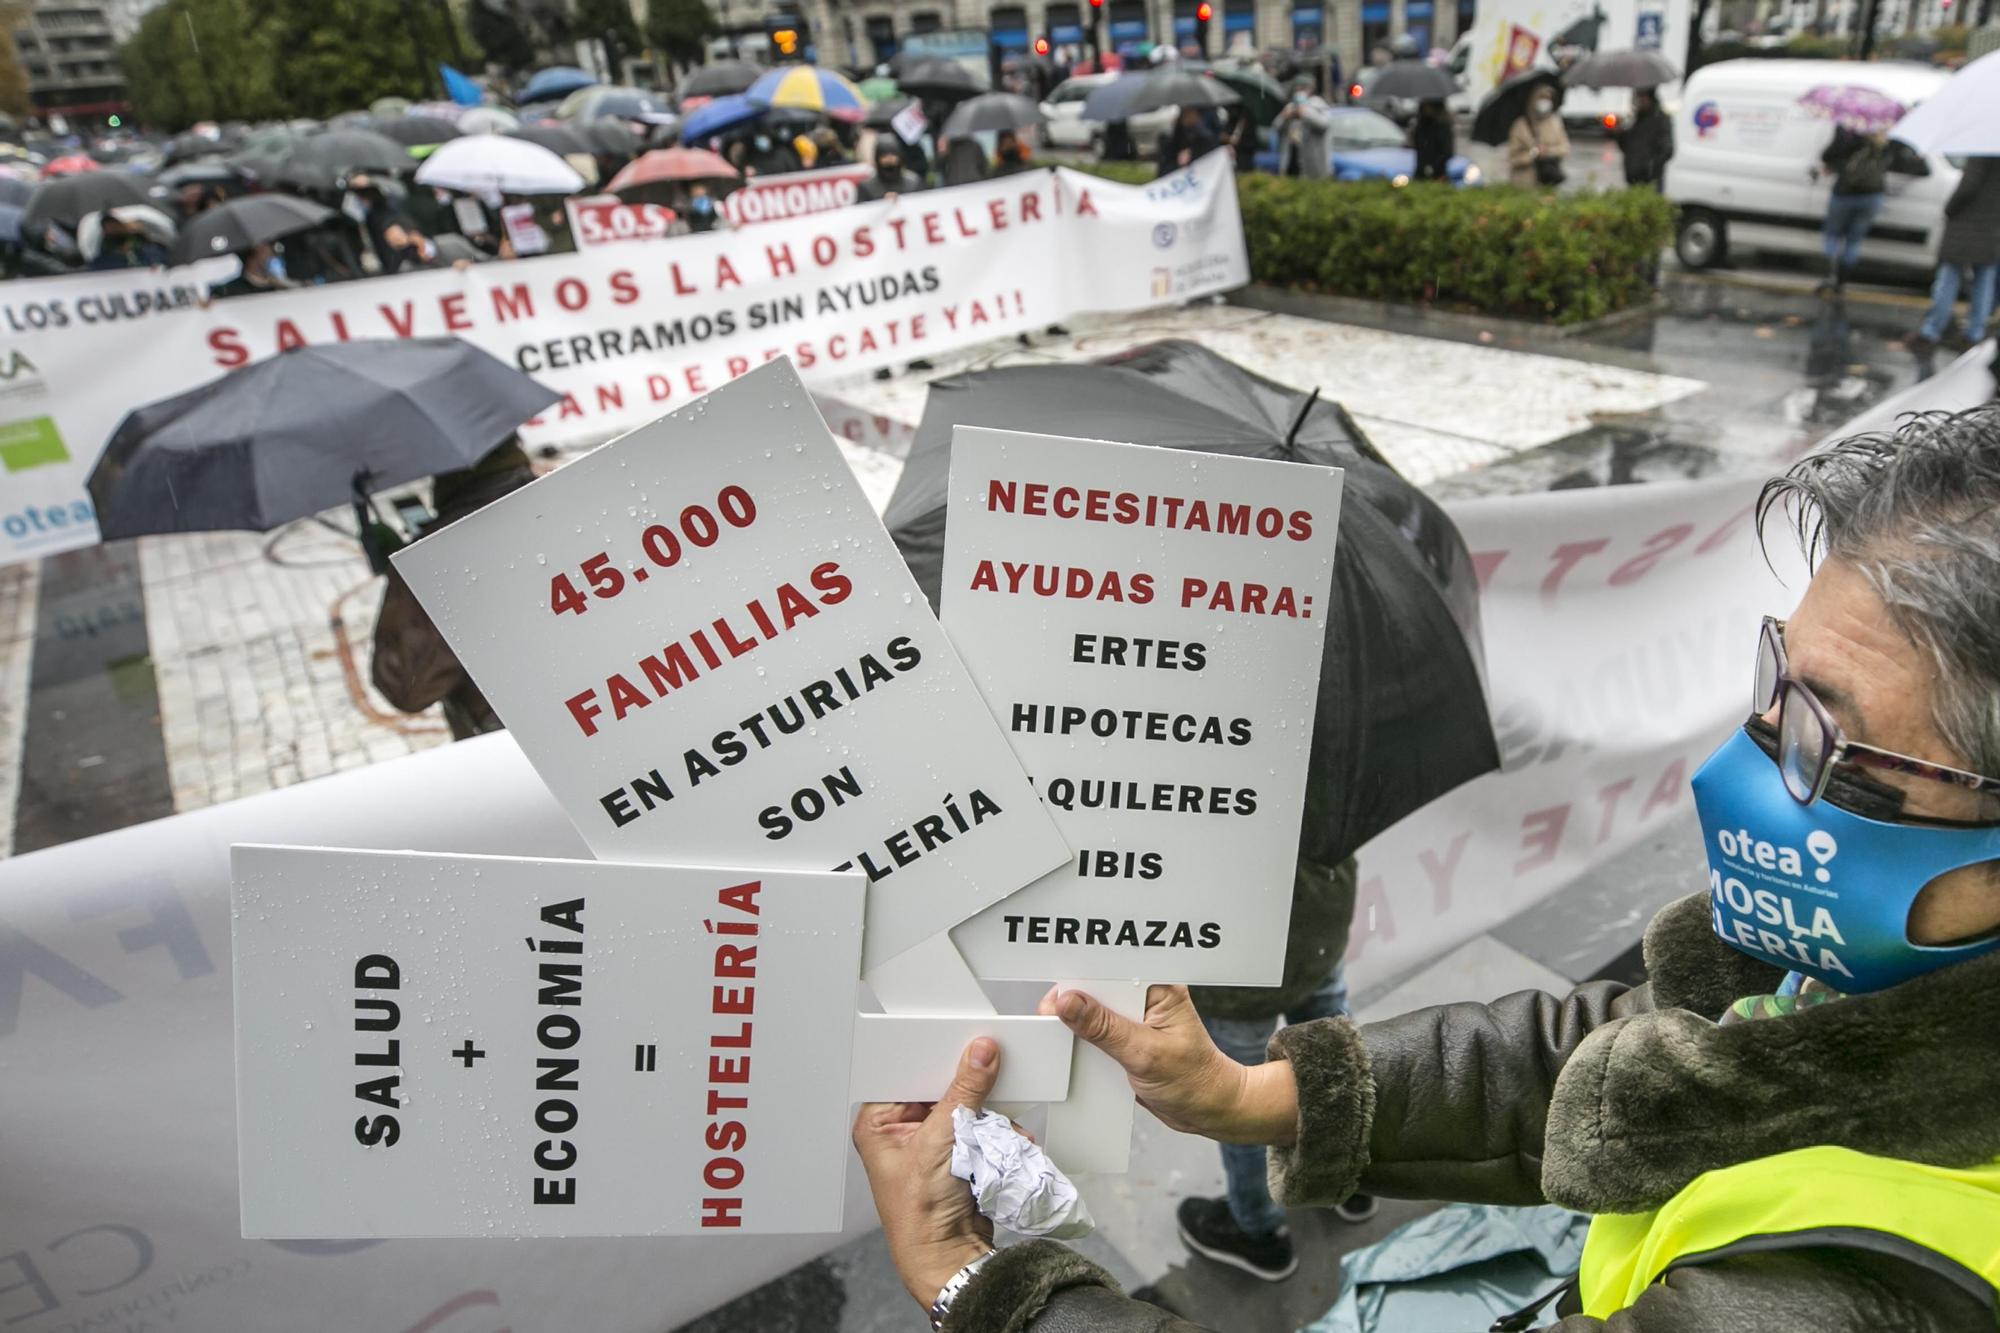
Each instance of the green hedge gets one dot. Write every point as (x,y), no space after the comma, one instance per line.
(1493,249)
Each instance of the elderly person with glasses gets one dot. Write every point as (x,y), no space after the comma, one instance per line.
(1795,1124)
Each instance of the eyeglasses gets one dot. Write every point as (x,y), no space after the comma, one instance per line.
(1810,742)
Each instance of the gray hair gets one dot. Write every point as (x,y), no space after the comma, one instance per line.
(1917,511)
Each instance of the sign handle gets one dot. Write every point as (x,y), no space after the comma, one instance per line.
(1092,1130)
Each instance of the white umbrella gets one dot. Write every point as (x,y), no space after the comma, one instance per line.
(1963,117)
(156,225)
(488,164)
(487,120)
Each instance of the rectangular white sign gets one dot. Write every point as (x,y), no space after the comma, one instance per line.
(1146,624)
(437,1045)
(711,651)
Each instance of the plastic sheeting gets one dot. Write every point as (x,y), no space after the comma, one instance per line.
(1455,1270)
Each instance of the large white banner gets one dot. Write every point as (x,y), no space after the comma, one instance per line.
(626,332)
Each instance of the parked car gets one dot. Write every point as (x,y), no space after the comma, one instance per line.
(1744,150)
(1368,146)
(1066,127)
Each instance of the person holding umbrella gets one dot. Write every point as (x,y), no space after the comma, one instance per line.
(891,177)
(1970,251)
(1537,143)
(1188,140)
(1646,140)
(1433,139)
(1859,160)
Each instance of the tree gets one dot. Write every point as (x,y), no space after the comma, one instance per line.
(498,30)
(609,22)
(680,29)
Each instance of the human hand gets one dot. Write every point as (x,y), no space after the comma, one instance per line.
(1177,1072)
(928,1217)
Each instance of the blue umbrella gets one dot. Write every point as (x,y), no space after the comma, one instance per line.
(721,114)
(556,81)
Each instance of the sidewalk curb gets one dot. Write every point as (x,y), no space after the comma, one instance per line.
(1355,310)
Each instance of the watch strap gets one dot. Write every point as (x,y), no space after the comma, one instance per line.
(959,1280)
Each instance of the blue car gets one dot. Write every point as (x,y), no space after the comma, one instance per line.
(1368,146)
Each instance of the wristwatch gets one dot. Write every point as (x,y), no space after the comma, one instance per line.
(942,1305)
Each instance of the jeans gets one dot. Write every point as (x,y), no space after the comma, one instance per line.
(1978,300)
(1847,219)
(1243,1040)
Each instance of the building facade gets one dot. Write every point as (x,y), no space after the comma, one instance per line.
(865,32)
(70,51)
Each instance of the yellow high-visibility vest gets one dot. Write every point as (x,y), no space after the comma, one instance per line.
(1797,1199)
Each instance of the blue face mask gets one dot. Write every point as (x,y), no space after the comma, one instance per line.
(1815,889)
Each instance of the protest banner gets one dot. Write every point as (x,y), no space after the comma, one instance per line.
(606,219)
(119,1207)
(851,738)
(626,332)
(795,194)
(659,1059)
(1146,624)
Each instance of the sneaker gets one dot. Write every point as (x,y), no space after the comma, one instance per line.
(1209,1230)
(1356,1208)
(1920,343)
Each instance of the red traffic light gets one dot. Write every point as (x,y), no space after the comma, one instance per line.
(1041,46)
(1097,4)
(1203,12)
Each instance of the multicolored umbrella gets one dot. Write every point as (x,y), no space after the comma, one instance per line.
(1853,107)
(809,88)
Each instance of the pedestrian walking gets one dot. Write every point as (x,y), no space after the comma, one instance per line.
(1647,141)
(1970,248)
(1537,144)
(1860,163)
(1434,140)
(1246,1229)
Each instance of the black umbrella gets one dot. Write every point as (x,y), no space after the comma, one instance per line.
(937,79)
(609,135)
(204,171)
(305,431)
(237,225)
(66,199)
(1262,96)
(1402,716)
(325,160)
(1411,80)
(992,111)
(719,80)
(1131,95)
(615,100)
(413,131)
(1620,69)
(1509,102)
(14,192)
(880,114)
(561,139)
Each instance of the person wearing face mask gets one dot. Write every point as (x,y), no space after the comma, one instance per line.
(1793,1124)
(891,178)
(1305,127)
(1537,143)
(1010,156)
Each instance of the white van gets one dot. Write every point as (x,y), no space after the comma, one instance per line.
(1745,149)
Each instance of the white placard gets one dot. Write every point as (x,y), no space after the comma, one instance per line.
(711,651)
(437,1045)
(1146,624)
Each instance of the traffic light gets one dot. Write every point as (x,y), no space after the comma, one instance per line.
(787,41)
(1203,12)
(1097,4)
(1041,46)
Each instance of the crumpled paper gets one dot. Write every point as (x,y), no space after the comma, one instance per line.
(1013,1180)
